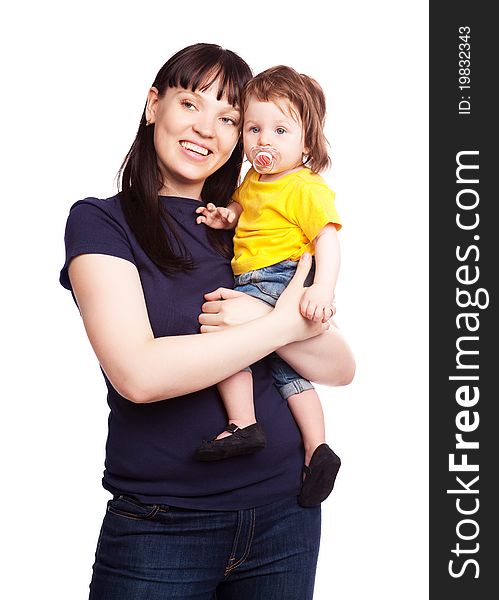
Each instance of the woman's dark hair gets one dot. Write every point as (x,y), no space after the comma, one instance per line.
(194,67)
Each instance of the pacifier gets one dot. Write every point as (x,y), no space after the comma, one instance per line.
(264,159)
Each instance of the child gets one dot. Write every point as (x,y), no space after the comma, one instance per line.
(282,209)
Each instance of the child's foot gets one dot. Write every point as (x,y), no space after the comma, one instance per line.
(320,476)
(242,423)
(244,440)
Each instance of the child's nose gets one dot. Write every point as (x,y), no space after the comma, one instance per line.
(263,138)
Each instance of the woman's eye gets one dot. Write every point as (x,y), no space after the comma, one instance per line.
(280,130)
(229,121)
(187,104)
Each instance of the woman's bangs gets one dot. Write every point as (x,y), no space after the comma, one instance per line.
(229,81)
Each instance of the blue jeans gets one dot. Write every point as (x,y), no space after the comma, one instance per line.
(153,552)
(267,284)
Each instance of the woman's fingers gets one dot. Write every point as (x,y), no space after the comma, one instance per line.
(213,306)
(210,328)
(302,270)
(222,294)
(294,291)
(207,319)
(237,310)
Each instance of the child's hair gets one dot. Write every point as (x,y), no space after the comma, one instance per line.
(306,99)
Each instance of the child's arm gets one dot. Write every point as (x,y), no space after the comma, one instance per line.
(316,303)
(219,217)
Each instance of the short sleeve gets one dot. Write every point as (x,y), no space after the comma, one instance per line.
(314,208)
(93,229)
(239,195)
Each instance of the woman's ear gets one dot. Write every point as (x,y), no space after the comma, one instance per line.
(151,105)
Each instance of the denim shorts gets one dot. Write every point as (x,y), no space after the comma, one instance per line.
(267,284)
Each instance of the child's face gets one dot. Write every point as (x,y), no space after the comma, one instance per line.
(275,126)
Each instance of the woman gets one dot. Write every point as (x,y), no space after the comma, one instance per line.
(139,266)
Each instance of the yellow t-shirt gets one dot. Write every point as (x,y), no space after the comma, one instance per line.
(280,218)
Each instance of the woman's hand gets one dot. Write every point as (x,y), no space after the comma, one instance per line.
(225,308)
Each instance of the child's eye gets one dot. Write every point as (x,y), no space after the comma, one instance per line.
(254,129)
(280,130)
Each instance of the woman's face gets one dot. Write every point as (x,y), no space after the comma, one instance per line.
(194,135)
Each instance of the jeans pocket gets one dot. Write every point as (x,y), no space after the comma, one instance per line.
(125,506)
(272,289)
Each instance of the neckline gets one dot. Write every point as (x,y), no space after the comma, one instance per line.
(280,178)
(180,198)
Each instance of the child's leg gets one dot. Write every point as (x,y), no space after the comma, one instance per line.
(237,396)
(237,391)
(321,463)
(307,411)
(243,434)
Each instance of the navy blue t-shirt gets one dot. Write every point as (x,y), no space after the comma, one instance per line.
(150,447)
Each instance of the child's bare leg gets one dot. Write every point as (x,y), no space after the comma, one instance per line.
(307,411)
(244,435)
(237,396)
(322,464)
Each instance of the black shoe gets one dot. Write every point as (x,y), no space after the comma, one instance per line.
(246,440)
(319,476)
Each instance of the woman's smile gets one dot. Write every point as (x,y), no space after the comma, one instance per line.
(195,150)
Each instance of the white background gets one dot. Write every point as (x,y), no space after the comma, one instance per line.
(74,81)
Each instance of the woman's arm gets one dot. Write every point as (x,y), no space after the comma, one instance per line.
(325,359)
(147,369)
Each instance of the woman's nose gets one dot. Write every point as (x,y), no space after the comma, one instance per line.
(204,127)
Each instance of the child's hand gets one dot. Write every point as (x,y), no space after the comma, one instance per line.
(216,217)
(316,303)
